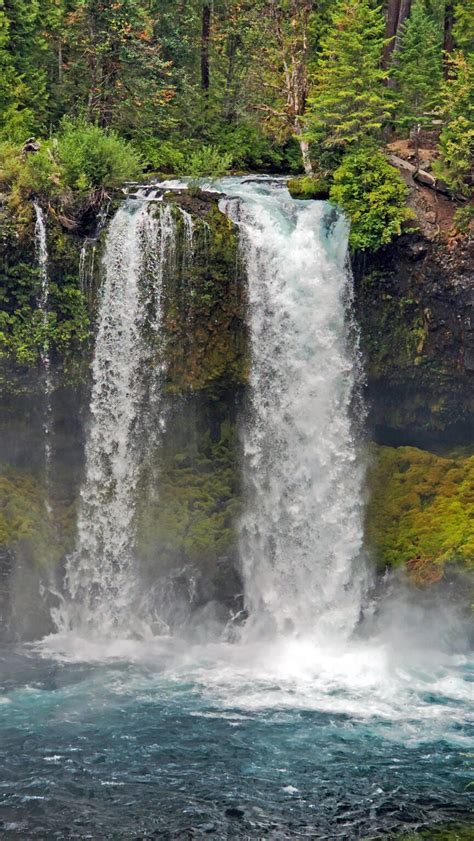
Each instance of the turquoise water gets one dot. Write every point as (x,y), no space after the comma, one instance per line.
(276,740)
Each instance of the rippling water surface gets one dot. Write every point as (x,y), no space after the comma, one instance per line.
(281,740)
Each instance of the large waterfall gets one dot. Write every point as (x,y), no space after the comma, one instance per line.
(162,707)
(126,373)
(302,529)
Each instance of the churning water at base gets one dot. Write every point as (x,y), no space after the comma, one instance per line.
(301,729)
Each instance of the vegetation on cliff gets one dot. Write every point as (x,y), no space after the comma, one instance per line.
(284,85)
(420,511)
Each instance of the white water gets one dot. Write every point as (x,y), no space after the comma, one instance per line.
(41,244)
(100,573)
(302,525)
(87,265)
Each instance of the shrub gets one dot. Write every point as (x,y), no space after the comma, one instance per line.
(207,161)
(373,196)
(90,157)
(163,155)
(81,159)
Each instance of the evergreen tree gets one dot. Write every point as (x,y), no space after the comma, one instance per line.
(456,162)
(463,30)
(30,50)
(115,72)
(418,70)
(7,70)
(349,101)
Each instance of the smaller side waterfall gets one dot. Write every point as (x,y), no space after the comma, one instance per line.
(86,265)
(127,373)
(41,244)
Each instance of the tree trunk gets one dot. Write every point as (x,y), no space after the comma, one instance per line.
(405,8)
(391,23)
(60,62)
(448,40)
(307,165)
(396,15)
(205,36)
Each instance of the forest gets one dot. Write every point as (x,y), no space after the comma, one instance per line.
(106,91)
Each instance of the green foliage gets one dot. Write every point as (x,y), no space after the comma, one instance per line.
(207,161)
(373,196)
(90,158)
(349,101)
(420,511)
(80,159)
(418,69)
(464,218)
(456,162)
(24,332)
(463,30)
(164,156)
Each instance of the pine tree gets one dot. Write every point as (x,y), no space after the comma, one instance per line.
(30,50)
(463,30)
(115,72)
(456,144)
(7,70)
(349,101)
(418,70)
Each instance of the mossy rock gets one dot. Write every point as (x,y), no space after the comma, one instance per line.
(309,187)
(420,513)
(26,527)
(452,832)
(204,303)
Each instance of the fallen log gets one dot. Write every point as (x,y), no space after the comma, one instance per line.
(422,177)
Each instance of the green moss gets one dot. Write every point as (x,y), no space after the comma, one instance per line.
(204,306)
(453,832)
(23,330)
(192,520)
(26,527)
(309,187)
(421,511)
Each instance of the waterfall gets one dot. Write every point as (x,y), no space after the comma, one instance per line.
(86,266)
(41,245)
(302,524)
(100,578)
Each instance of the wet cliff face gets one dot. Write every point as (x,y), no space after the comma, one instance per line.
(415,307)
(187,535)
(414,303)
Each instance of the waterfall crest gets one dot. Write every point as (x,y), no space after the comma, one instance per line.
(302,523)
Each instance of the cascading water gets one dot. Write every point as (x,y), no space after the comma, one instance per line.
(100,575)
(86,265)
(43,299)
(302,526)
(314,734)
